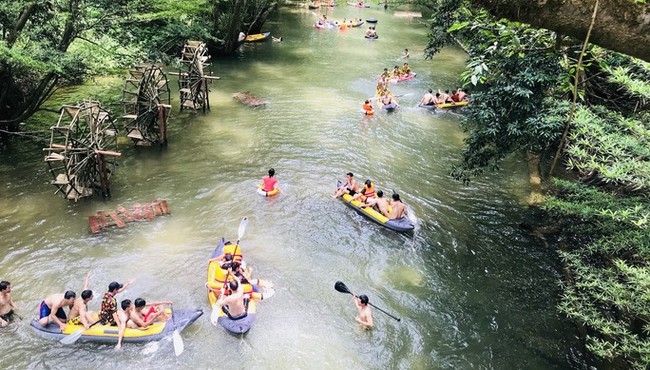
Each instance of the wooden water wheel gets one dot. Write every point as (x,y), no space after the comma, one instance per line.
(83,150)
(146,101)
(192,81)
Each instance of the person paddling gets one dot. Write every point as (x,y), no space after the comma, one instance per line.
(234,304)
(365,314)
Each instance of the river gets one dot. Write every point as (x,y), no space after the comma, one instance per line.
(474,291)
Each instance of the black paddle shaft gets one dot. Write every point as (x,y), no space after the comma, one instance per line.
(342,288)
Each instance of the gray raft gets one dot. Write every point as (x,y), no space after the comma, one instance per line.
(182,319)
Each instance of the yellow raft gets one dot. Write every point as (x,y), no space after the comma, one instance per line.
(109,334)
(217,277)
(400,224)
(258,37)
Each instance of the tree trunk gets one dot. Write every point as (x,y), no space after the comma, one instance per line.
(621,25)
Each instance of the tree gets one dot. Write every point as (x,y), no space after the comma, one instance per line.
(621,25)
(34,50)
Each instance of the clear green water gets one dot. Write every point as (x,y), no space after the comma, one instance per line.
(473,290)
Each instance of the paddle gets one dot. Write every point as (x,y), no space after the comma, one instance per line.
(342,288)
(394,96)
(70,339)
(179,346)
(240,233)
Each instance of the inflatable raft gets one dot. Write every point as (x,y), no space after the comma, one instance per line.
(258,37)
(108,334)
(389,107)
(401,224)
(371,20)
(374,37)
(452,105)
(404,77)
(217,277)
(264,193)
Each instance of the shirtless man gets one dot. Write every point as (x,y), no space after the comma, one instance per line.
(122,320)
(79,314)
(140,319)
(428,98)
(52,308)
(365,315)
(350,186)
(399,208)
(379,203)
(7,305)
(438,99)
(233,302)
(444,96)
(388,99)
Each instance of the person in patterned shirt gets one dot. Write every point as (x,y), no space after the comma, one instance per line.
(108,311)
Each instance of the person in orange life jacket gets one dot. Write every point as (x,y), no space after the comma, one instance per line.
(367,191)
(367,108)
(270,182)
(406,69)
(245,276)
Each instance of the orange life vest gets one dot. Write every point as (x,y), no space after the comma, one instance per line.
(368,191)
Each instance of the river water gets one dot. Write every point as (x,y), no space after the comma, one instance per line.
(472,289)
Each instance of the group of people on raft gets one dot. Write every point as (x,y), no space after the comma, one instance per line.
(443,97)
(393,209)
(233,291)
(382,93)
(323,22)
(136,315)
(233,285)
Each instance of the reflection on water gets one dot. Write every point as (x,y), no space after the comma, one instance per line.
(472,290)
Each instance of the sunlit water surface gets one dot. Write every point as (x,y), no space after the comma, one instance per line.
(473,290)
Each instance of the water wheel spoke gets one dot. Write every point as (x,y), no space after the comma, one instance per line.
(143,114)
(77,168)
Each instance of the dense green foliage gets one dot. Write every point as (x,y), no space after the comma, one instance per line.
(45,44)
(609,288)
(514,67)
(523,81)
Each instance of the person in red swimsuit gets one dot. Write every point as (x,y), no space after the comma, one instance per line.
(270,182)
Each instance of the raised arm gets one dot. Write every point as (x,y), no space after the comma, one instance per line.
(87,281)
(128,283)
